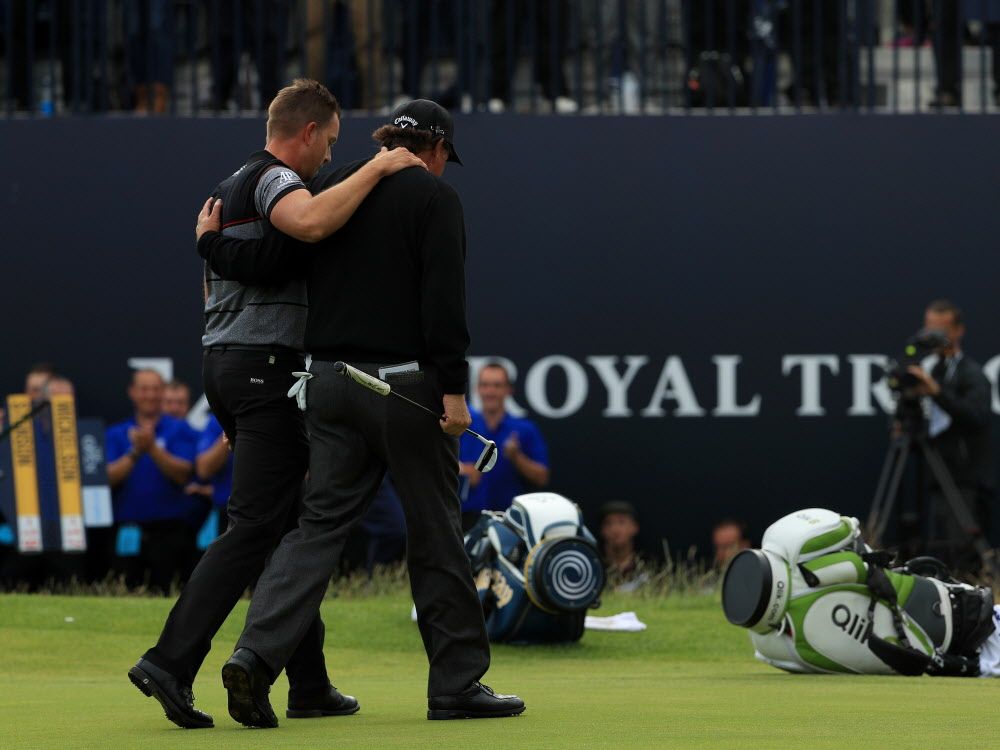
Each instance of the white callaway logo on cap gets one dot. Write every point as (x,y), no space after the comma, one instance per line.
(404,120)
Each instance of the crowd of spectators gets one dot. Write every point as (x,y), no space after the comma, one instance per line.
(170,484)
(619,54)
(168,481)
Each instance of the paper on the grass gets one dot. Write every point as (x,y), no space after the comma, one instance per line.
(625,622)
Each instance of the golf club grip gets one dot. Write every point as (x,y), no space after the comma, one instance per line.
(363,378)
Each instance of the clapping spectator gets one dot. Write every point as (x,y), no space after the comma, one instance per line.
(176,399)
(523,463)
(150,460)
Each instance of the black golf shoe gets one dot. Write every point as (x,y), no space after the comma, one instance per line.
(175,697)
(330,703)
(477,702)
(248,681)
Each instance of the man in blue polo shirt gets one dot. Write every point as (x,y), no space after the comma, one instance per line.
(150,460)
(523,463)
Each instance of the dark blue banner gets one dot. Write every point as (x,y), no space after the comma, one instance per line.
(697,308)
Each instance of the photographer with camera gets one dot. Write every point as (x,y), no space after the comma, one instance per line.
(958,425)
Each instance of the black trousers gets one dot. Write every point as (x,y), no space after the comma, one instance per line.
(355,435)
(247,392)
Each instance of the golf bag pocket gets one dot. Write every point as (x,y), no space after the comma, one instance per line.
(811,533)
(839,567)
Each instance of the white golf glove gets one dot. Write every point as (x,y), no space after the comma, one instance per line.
(298,391)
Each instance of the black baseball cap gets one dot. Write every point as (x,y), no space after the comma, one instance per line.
(423,114)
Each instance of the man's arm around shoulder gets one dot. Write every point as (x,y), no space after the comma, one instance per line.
(272,259)
(311,218)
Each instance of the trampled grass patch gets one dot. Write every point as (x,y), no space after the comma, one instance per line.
(688,681)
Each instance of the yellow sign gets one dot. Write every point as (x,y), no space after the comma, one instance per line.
(22,448)
(67,453)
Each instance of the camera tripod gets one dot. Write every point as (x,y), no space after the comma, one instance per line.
(913,436)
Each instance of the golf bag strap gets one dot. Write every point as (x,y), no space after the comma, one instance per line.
(877,558)
(902,658)
(954,665)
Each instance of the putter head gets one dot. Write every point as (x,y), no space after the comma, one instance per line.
(488,458)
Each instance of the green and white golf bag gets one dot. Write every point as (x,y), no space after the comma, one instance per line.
(817,599)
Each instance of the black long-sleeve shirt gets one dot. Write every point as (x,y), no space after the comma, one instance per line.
(389,286)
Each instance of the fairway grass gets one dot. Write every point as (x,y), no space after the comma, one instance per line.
(688,681)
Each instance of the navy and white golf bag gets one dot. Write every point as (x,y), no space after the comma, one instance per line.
(537,569)
(816,598)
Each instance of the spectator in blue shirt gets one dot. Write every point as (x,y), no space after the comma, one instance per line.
(213,479)
(523,463)
(150,459)
(176,399)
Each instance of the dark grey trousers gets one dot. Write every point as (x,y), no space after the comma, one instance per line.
(355,435)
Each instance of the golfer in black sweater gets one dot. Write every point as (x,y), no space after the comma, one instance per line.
(386,294)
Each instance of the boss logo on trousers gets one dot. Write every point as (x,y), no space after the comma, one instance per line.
(257,381)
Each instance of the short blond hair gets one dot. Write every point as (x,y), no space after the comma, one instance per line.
(298,104)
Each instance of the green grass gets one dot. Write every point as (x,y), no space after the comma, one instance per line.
(688,681)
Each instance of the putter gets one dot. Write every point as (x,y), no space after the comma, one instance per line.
(487,459)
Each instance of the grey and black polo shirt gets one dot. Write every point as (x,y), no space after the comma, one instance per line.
(239,315)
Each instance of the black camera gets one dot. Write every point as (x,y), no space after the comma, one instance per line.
(919,346)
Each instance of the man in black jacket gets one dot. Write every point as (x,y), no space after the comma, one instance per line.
(959,427)
(389,298)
